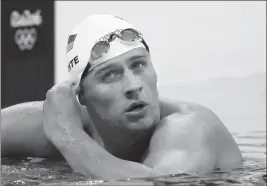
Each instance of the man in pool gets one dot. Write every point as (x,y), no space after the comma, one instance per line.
(108,120)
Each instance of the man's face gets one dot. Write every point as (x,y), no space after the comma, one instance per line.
(123,91)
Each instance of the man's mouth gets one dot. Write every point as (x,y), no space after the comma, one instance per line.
(136,106)
(136,109)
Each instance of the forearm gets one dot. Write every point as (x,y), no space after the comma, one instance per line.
(84,155)
(22,132)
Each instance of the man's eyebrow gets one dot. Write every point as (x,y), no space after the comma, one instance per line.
(114,64)
(104,68)
(136,57)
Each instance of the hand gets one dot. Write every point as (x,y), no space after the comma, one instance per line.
(61,109)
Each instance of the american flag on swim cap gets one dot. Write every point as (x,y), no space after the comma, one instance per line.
(71,42)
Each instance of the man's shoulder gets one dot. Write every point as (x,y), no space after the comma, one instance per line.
(193,123)
(181,130)
(190,116)
(172,106)
(177,116)
(189,123)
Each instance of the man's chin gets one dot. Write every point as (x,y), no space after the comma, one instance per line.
(142,124)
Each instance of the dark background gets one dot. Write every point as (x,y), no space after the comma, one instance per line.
(26,75)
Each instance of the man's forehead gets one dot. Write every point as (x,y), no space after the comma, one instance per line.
(137,52)
(128,56)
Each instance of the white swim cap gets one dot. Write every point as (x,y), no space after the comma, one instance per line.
(86,34)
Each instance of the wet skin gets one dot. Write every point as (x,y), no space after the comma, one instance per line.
(154,136)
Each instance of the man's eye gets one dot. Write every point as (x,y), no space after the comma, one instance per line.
(111,75)
(138,65)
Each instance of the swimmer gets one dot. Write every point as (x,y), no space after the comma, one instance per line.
(108,120)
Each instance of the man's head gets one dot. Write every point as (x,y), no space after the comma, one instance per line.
(119,88)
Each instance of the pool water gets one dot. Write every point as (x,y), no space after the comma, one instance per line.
(37,171)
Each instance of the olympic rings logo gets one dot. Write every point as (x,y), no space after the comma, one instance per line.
(25,38)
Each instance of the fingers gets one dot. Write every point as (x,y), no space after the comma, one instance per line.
(70,84)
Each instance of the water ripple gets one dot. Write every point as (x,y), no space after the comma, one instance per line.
(34,171)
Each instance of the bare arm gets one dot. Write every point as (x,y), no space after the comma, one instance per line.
(192,141)
(22,131)
(22,134)
(85,156)
(184,148)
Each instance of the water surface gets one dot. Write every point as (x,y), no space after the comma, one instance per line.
(37,171)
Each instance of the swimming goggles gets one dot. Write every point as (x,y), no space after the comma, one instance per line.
(102,46)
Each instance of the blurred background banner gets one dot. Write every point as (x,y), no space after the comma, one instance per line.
(27,43)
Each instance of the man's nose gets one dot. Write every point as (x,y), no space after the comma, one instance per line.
(132,86)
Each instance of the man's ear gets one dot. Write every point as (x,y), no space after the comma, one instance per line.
(81,97)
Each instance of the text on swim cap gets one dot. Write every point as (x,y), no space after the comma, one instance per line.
(73,62)
(105,37)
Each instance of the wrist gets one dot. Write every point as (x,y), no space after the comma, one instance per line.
(62,130)
(69,122)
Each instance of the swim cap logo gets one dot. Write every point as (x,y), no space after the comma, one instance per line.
(73,62)
(71,42)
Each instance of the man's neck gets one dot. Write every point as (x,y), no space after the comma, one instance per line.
(126,144)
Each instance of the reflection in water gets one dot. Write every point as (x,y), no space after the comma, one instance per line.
(36,171)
